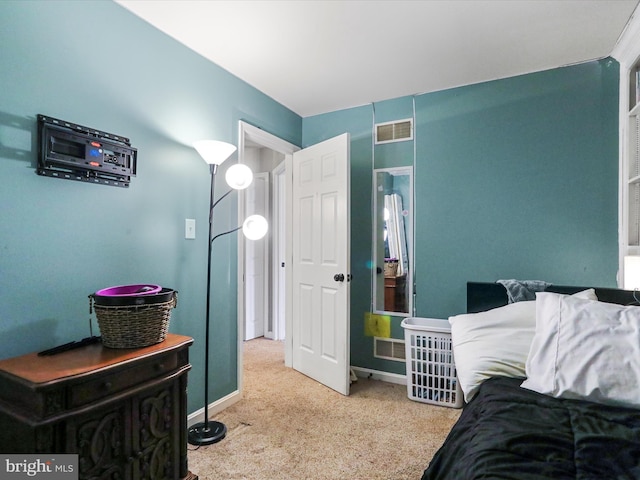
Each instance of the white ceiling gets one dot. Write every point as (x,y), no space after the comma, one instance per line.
(320,56)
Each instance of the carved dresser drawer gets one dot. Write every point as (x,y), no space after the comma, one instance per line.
(72,401)
(120,379)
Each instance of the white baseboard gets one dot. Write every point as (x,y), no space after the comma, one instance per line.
(379,375)
(214,408)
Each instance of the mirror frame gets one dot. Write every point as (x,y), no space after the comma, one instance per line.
(377,282)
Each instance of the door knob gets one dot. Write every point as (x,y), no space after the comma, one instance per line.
(339,277)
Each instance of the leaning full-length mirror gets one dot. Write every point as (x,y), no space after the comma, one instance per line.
(392,240)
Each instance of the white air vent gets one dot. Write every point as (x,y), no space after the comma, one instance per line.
(397,131)
(389,349)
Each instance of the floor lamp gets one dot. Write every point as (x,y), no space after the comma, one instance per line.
(238,177)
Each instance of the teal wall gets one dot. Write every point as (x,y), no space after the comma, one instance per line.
(518,178)
(514,178)
(96,64)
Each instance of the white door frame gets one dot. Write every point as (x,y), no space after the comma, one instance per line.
(247,132)
(279,232)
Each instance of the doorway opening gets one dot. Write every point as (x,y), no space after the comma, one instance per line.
(312,186)
(262,282)
(264,285)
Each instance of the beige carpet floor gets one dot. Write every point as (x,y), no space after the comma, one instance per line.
(289,426)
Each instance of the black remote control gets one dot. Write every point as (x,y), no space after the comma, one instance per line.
(69,346)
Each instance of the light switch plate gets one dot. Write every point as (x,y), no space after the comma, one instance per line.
(189,228)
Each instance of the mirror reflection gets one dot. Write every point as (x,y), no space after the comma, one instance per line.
(393,224)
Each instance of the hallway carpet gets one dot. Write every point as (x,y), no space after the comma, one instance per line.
(289,426)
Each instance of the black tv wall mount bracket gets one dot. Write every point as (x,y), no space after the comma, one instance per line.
(70,151)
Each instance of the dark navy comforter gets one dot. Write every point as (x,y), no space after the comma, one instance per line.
(507,432)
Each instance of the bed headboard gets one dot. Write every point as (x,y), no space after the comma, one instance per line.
(483,296)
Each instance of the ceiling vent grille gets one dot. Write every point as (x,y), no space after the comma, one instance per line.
(397,131)
(389,349)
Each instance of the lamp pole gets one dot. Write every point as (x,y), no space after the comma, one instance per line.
(208,432)
(254,227)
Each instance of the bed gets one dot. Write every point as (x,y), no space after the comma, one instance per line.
(552,385)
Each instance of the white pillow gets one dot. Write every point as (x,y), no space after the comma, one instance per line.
(585,350)
(494,343)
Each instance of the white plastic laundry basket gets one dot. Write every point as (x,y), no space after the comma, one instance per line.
(431,371)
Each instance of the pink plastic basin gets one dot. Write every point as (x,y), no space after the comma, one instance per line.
(129,290)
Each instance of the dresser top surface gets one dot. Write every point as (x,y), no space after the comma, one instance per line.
(42,369)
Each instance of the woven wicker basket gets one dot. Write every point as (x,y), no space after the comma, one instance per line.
(134,326)
(390,268)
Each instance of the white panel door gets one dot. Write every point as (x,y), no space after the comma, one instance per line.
(257,262)
(321,262)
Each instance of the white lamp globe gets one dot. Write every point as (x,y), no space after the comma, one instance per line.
(239,176)
(255,227)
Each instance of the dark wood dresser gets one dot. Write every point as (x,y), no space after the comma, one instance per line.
(394,294)
(123,411)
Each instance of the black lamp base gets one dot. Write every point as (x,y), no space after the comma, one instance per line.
(201,434)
